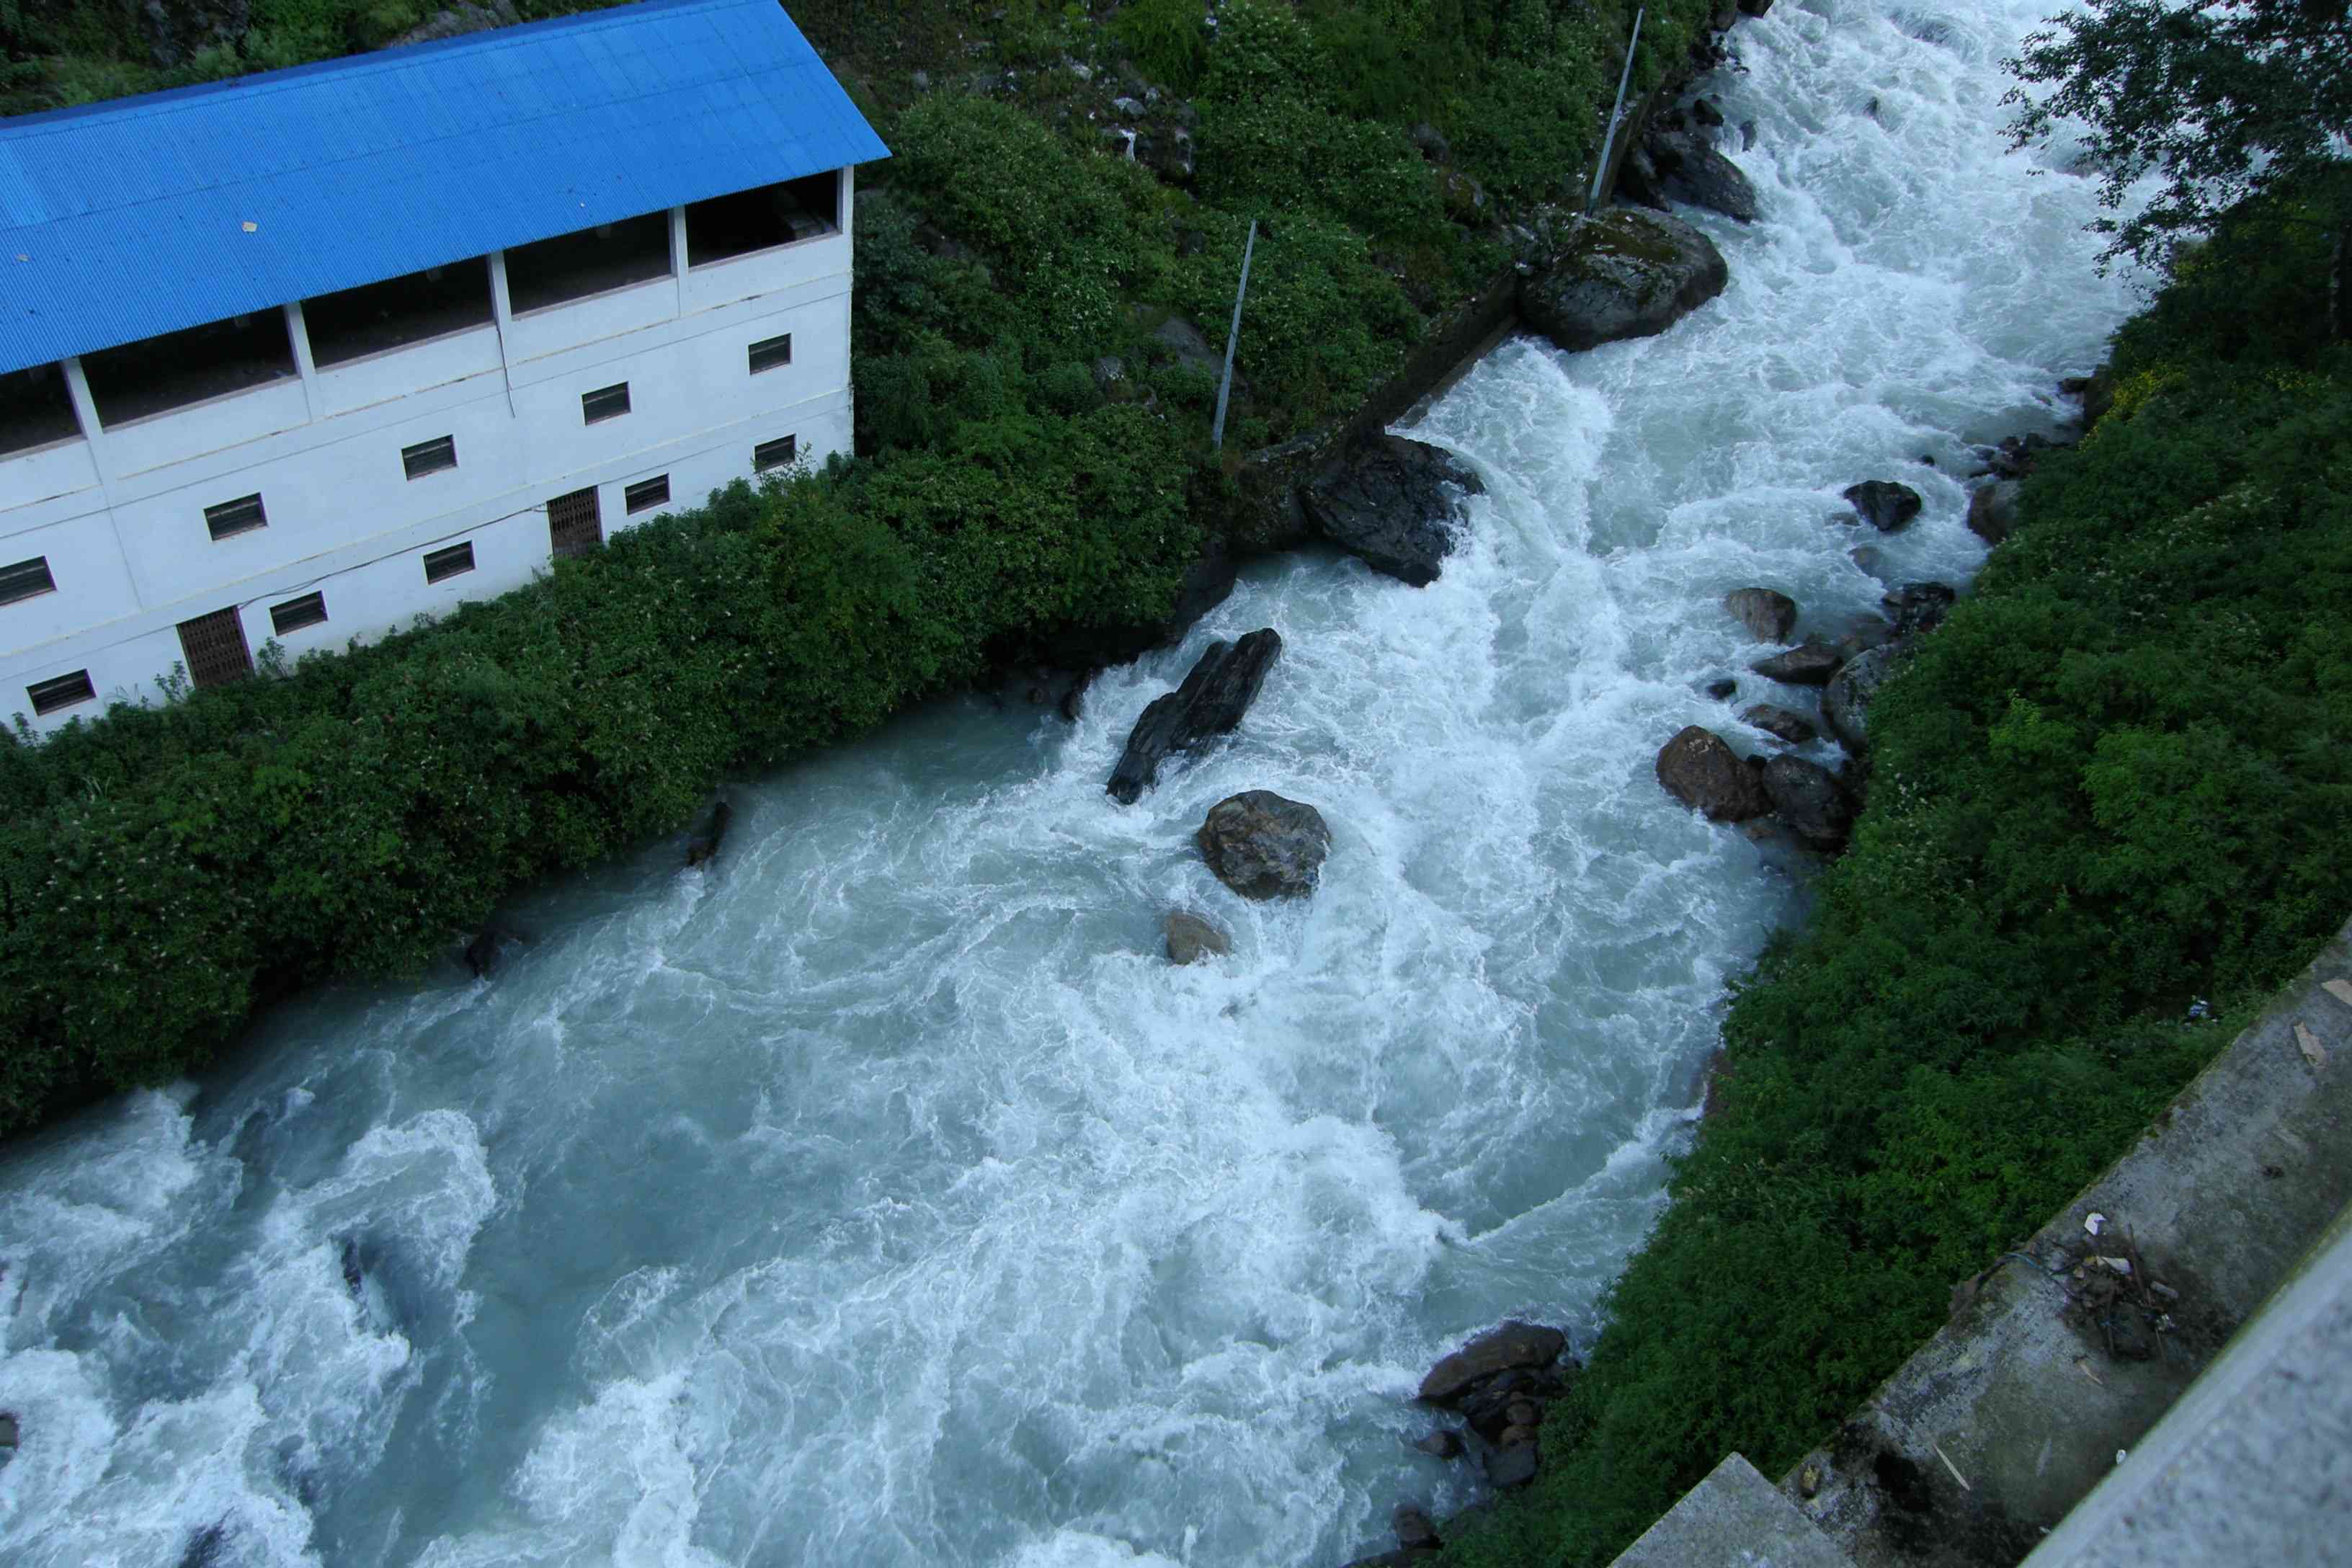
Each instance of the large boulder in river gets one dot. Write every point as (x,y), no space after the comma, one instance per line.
(1883,504)
(1808,664)
(1225,681)
(1809,798)
(1699,768)
(1191,938)
(1845,702)
(1624,273)
(1768,617)
(1391,502)
(1992,510)
(1781,722)
(1263,845)
(1510,1347)
(1678,161)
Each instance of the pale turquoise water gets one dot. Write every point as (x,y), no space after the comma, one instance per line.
(884,1197)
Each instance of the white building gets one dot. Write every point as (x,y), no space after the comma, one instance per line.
(305,356)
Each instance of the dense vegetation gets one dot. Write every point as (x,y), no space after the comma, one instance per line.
(2114,784)
(163,870)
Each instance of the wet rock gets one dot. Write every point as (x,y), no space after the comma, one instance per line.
(1441,1444)
(1263,845)
(1722,689)
(1510,1347)
(1391,502)
(1868,557)
(1992,510)
(1413,1531)
(1191,937)
(1919,608)
(703,848)
(1767,616)
(9,1434)
(1699,768)
(1511,1467)
(1224,681)
(1754,7)
(482,953)
(1781,722)
(1845,702)
(352,1263)
(1691,171)
(1883,504)
(2016,456)
(1808,664)
(1809,799)
(1624,273)
(206,1547)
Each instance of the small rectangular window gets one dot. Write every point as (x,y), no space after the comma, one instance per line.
(604,403)
(648,493)
(770,352)
(49,696)
(292,615)
(25,580)
(775,454)
(242,515)
(429,457)
(454,560)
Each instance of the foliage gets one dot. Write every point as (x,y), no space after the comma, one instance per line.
(2224,99)
(2111,784)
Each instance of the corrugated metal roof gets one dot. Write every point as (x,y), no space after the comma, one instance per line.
(142,215)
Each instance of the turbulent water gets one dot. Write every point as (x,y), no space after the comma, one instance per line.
(883,1196)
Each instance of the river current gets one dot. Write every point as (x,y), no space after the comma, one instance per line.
(882,1196)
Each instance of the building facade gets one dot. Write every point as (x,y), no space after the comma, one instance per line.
(301,357)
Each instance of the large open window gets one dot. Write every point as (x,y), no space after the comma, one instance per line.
(35,409)
(574,266)
(155,375)
(397,312)
(769,216)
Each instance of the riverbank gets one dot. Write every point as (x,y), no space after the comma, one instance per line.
(2099,835)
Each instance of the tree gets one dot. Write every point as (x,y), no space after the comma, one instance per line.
(2228,101)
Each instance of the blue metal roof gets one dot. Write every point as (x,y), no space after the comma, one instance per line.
(142,215)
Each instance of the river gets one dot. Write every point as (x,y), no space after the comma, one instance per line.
(883,1196)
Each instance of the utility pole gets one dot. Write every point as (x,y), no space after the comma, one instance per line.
(1616,114)
(1233,337)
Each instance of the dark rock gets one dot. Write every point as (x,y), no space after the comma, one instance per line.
(1846,702)
(1704,110)
(1402,1557)
(1624,273)
(1699,768)
(1992,510)
(1444,1444)
(1754,7)
(1191,938)
(703,847)
(1074,696)
(1863,634)
(1867,557)
(482,953)
(1769,615)
(1919,608)
(1516,1437)
(1690,170)
(1746,134)
(1413,1531)
(352,1263)
(204,1546)
(1166,152)
(1431,142)
(1206,584)
(1810,802)
(1791,726)
(1722,689)
(9,1435)
(1808,664)
(1883,504)
(1525,1413)
(1224,681)
(1510,1347)
(1389,501)
(1263,845)
(2016,456)
(1511,1467)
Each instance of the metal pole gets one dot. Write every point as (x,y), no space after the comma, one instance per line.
(1233,337)
(1624,76)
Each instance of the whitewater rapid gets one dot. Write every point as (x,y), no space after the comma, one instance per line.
(883,1196)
